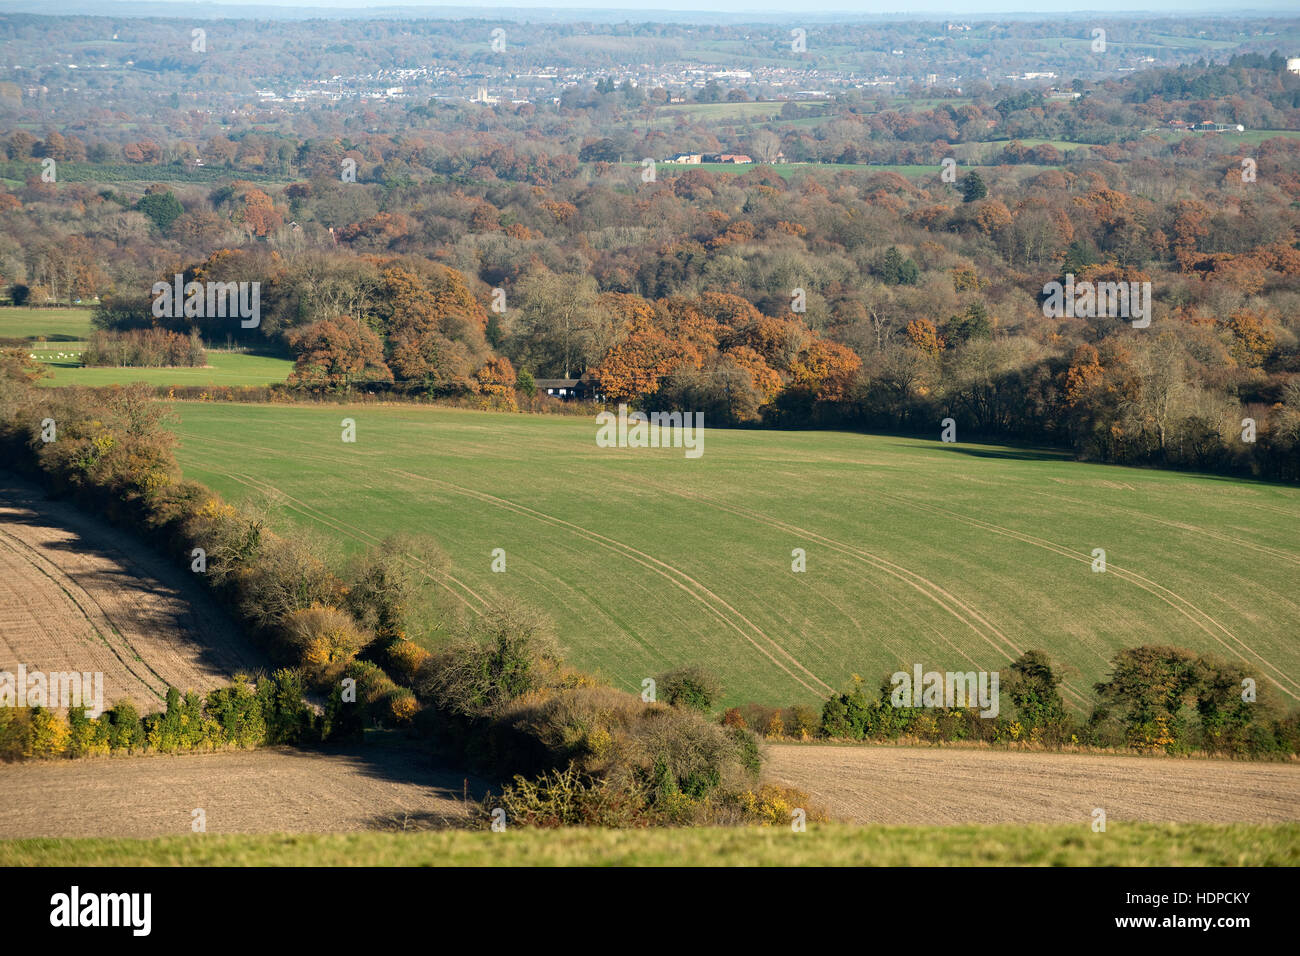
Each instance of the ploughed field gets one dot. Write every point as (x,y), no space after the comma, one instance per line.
(387,784)
(375,786)
(957,557)
(77,595)
(958,785)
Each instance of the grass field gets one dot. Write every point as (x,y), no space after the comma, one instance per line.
(952,556)
(1131,844)
(786,170)
(1256,136)
(225,368)
(56,325)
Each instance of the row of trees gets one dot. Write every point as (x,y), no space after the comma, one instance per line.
(1158,698)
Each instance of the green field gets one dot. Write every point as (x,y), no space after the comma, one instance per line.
(1123,844)
(224,368)
(786,170)
(952,556)
(1256,136)
(56,325)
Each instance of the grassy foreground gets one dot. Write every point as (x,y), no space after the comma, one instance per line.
(1123,844)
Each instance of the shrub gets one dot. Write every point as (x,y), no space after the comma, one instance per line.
(342,719)
(238,713)
(690,686)
(1032,686)
(803,721)
(402,659)
(381,584)
(286,715)
(125,732)
(771,805)
(733,718)
(324,639)
(505,654)
(286,575)
(564,798)
(47,734)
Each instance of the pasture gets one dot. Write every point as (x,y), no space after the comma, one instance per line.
(223,368)
(53,325)
(957,557)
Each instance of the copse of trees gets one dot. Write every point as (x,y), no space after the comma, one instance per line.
(144,348)
(581,752)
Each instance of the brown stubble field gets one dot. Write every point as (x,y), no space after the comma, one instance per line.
(955,785)
(77,595)
(272,790)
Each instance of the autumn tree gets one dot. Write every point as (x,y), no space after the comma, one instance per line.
(335,353)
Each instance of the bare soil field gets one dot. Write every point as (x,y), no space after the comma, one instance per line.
(917,785)
(275,790)
(79,595)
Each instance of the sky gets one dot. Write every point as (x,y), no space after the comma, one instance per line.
(943,9)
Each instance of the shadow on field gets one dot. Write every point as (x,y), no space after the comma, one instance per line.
(123,563)
(1008,454)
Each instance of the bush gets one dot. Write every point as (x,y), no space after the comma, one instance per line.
(691,686)
(125,731)
(564,798)
(238,714)
(381,584)
(324,639)
(674,757)
(286,715)
(505,654)
(47,734)
(286,575)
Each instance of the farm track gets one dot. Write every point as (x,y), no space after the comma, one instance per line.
(77,595)
(941,786)
(1272,552)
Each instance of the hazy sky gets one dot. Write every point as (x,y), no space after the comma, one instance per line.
(903,8)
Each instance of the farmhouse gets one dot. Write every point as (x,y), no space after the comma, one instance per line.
(569,389)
